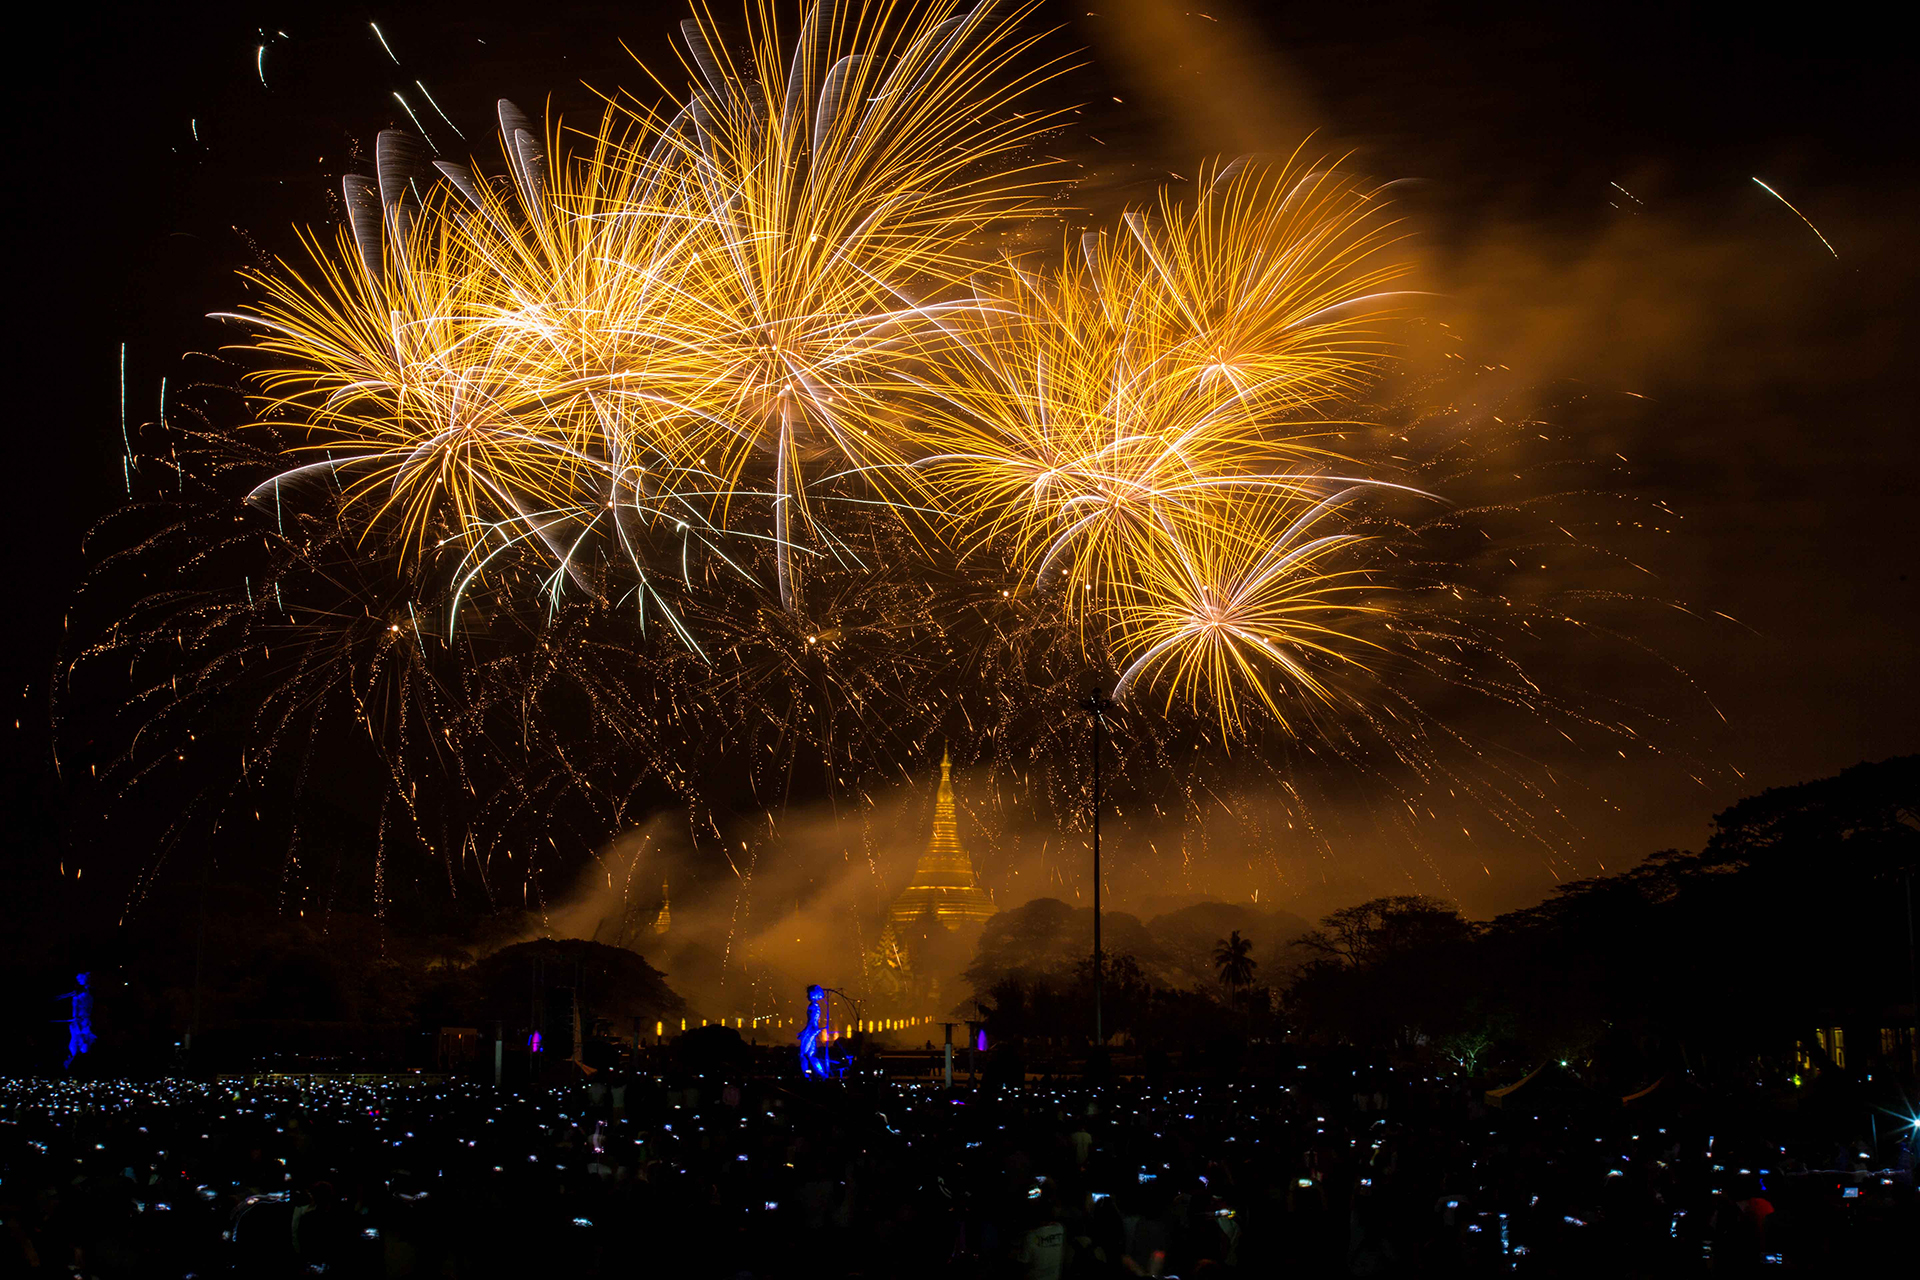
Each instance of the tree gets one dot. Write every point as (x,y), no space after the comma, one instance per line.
(1373,931)
(1186,938)
(1681,958)
(1126,992)
(1233,957)
(1388,970)
(1870,811)
(1465,1047)
(1046,937)
(612,982)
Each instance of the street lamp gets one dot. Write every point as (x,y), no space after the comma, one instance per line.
(1097,704)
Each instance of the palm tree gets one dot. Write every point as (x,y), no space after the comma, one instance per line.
(1233,957)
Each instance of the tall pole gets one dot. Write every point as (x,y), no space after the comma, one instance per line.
(200,950)
(1913,983)
(1097,704)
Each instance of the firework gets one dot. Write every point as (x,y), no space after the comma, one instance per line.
(624,338)
(1252,598)
(625,341)
(541,458)
(1126,421)
(814,234)
(466,366)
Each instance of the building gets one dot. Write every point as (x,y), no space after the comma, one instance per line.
(936,918)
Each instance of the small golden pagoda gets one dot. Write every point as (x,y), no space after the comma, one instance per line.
(943,883)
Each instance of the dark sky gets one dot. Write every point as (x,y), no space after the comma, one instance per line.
(1771,381)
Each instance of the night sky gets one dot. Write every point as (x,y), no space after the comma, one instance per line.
(1583,206)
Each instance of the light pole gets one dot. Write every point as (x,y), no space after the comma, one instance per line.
(1913,977)
(850,1000)
(1097,704)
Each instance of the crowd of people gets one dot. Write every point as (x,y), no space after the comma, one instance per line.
(1329,1173)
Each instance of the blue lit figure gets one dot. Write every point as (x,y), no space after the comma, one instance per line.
(79,1021)
(813,1037)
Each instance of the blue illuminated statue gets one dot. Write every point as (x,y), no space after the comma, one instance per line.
(79,1021)
(813,1037)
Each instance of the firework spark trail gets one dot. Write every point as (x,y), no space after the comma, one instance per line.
(381,37)
(1803,217)
(126,439)
(437,109)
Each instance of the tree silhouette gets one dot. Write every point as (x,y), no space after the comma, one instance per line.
(1362,935)
(1233,957)
(1650,970)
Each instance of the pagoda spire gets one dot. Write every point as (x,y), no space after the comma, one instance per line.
(663,921)
(943,881)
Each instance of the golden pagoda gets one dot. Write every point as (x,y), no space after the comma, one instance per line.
(943,883)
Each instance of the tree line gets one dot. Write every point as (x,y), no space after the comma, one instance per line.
(1795,915)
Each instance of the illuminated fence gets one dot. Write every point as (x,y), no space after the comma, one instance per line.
(664,1029)
(771,1022)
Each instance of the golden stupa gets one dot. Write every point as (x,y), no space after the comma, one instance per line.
(943,883)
